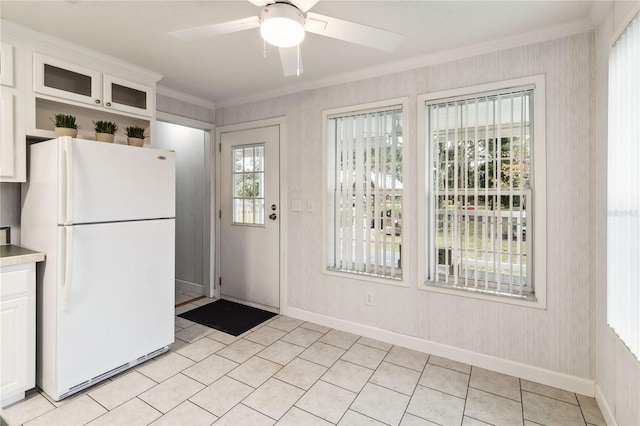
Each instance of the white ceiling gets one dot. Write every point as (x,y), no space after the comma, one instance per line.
(231,67)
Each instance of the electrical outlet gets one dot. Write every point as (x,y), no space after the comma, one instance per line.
(368,298)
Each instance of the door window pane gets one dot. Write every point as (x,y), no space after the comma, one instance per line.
(248,185)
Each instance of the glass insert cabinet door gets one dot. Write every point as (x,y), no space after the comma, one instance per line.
(127,96)
(248,185)
(65,80)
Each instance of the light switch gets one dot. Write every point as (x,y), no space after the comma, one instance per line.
(296,205)
(310,206)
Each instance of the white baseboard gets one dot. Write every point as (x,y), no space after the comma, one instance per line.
(535,374)
(607,413)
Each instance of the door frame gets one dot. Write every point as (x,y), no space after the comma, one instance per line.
(281,122)
(207,244)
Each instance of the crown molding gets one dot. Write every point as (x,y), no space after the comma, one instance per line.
(181,96)
(546,34)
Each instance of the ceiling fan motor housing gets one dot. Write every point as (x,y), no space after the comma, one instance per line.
(282,25)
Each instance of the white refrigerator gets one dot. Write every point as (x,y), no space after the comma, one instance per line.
(104,215)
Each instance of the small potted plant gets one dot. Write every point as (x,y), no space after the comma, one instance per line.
(135,135)
(65,125)
(105,130)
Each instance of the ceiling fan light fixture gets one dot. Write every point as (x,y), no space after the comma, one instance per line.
(282,25)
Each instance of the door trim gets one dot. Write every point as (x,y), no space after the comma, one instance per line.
(281,122)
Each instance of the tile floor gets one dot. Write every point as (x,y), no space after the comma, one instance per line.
(290,372)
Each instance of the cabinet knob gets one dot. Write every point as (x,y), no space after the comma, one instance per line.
(97,101)
(108,104)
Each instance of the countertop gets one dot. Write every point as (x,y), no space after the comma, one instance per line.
(13,255)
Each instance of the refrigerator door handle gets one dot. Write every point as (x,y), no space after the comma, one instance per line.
(68,267)
(69,190)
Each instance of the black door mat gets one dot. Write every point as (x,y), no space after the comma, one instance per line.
(229,317)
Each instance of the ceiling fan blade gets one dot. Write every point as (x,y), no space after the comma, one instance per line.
(217,29)
(260,3)
(303,5)
(291,61)
(352,32)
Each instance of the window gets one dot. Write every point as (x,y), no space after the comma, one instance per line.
(364,197)
(623,192)
(481,199)
(248,185)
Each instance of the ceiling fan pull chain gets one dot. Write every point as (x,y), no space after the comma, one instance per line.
(264,49)
(298,65)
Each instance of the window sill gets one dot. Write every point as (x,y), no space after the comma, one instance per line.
(529,301)
(399,282)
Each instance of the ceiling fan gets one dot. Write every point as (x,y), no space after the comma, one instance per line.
(283,24)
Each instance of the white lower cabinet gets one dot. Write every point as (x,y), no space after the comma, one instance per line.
(17,331)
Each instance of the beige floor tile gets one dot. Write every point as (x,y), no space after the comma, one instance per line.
(132,413)
(221,396)
(450,364)
(544,390)
(591,411)
(549,411)
(375,343)
(166,366)
(396,378)
(322,354)
(281,352)
(381,404)
(171,393)
(301,373)
(183,322)
(32,406)
(445,380)
(222,337)
(240,350)
(77,412)
(193,333)
(200,349)
(265,335)
(353,418)
(184,308)
(436,406)
(255,371)
(411,420)
(491,408)
(348,375)
(274,398)
(365,356)
(297,417)
(177,345)
(121,389)
(326,401)
(302,337)
(210,369)
(496,383)
(340,339)
(186,413)
(285,323)
(408,358)
(315,327)
(203,301)
(241,415)
(470,421)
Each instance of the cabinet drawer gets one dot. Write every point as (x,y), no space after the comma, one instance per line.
(15,281)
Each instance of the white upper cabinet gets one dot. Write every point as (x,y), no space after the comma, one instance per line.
(61,79)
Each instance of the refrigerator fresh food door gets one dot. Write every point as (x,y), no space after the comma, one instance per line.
(108,182)
(116,290)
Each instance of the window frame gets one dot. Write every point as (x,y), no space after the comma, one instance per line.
(328,165)
(538,188)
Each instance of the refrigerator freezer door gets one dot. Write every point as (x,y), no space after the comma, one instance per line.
(120,298)
(110,182)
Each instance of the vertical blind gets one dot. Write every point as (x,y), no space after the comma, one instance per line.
(623,188)
(480,192)
(366,149)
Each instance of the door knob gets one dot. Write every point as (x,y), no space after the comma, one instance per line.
(273,216)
